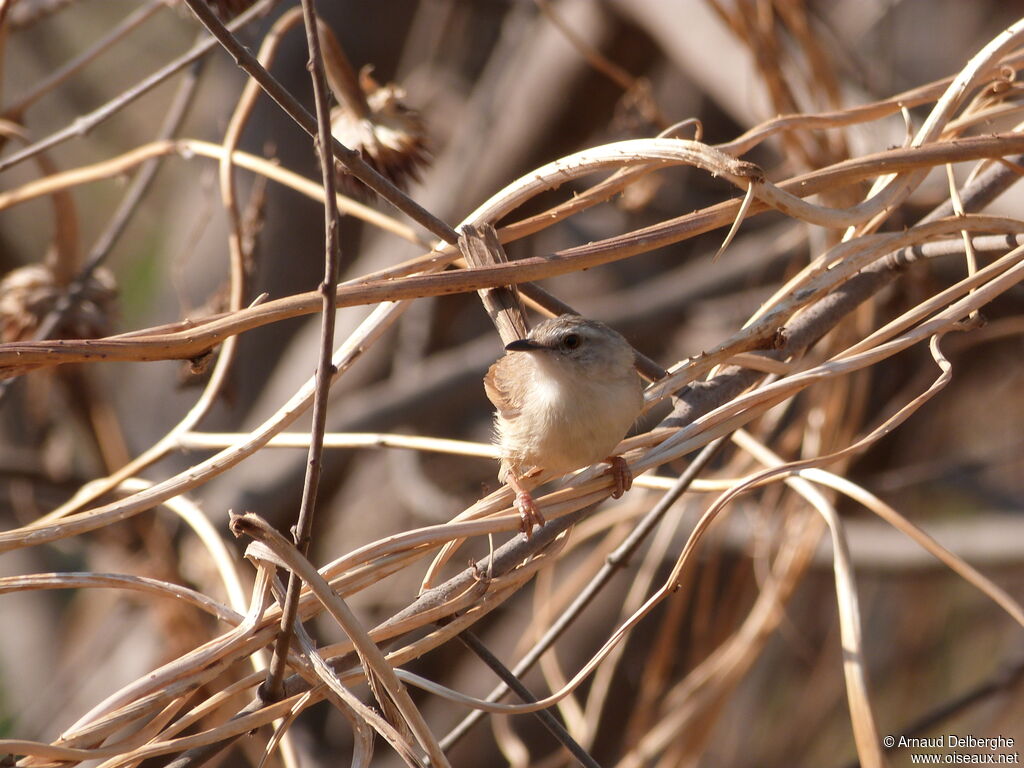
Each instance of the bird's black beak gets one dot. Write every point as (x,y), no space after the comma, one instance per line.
(523,345)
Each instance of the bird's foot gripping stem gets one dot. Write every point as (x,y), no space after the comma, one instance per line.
(529,512)
(622,478)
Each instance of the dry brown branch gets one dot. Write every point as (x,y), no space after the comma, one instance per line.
(834,364)
(200,337)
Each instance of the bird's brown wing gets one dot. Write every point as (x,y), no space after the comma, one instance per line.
(501,389)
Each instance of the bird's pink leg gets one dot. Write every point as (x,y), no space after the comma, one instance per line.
(529,512)
(621,476)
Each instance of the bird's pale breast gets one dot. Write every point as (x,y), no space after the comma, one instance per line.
(563,425)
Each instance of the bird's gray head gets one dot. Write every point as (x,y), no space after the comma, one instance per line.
(573,341)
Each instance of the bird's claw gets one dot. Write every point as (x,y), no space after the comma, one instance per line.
(529,513)
(622,477)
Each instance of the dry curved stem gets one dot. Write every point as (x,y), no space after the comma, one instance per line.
(86,123)
(357,713)
(351,159)
(93,580)
(17,110)
(863,722)
(717,397)
(75,524)
(967,572)
(188,148)
(861,715)
(236,257)
(198,338)
(373,659)
(924,94)
(64,254)
(303,529)
(668,445)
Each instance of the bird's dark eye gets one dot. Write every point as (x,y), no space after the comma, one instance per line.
(571,341)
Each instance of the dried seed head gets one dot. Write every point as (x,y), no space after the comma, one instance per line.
(28,294)
(392,138)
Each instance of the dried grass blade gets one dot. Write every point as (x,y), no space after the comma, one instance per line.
(254,527)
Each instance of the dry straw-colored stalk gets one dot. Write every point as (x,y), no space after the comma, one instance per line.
(774,363)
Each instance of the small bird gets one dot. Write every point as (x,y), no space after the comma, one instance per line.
(564,397)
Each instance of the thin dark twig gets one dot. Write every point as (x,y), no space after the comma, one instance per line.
(140,183)
(695,401)
(616,561)
(325,370)
(136,191)
(821,317)
(352,160)
(82,125)
(126,25)
(506,557)
(548,720)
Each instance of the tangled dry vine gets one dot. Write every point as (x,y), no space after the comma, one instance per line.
(777,409)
